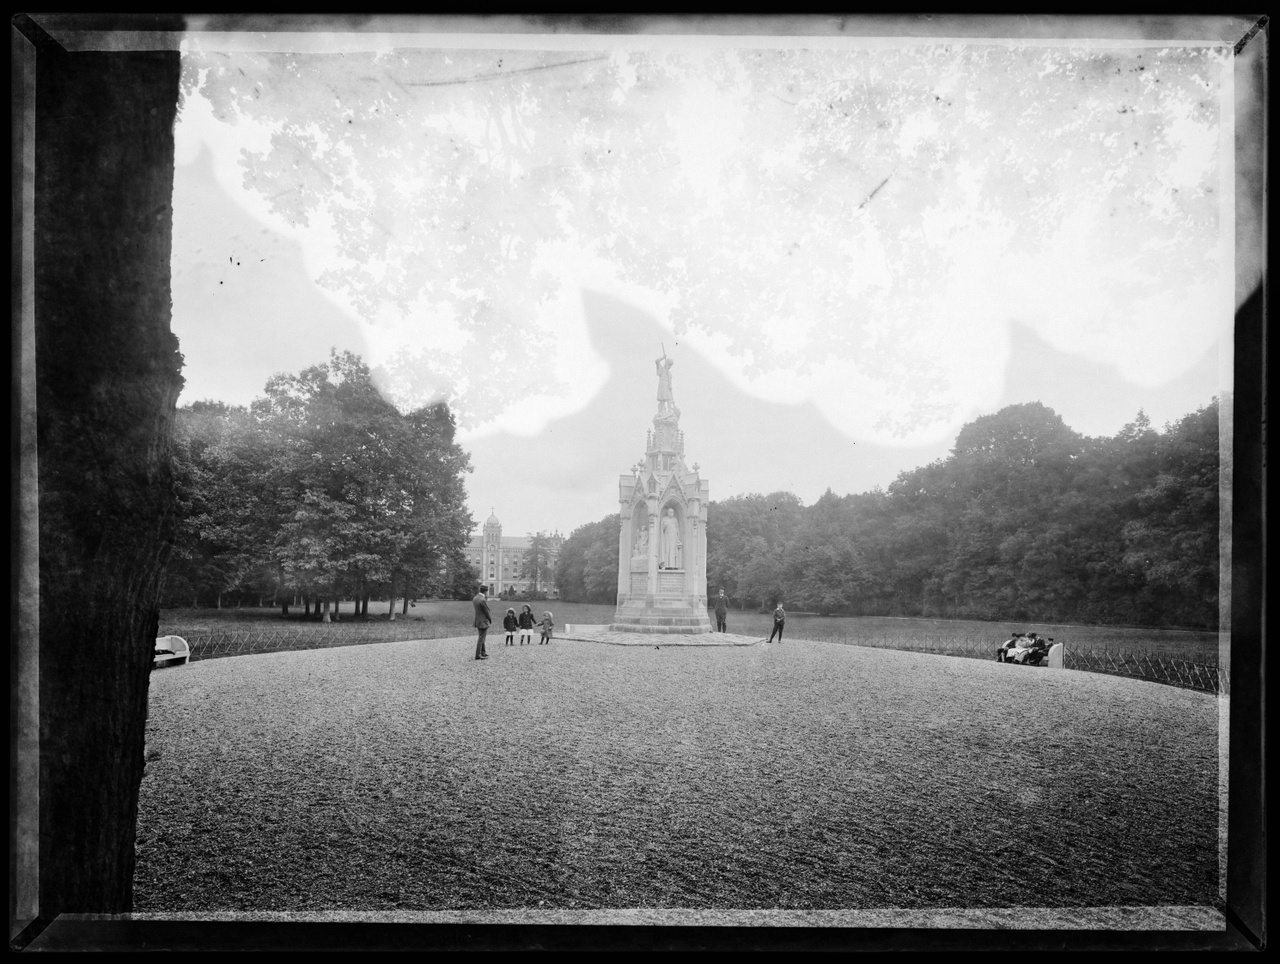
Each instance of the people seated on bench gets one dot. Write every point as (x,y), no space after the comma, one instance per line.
(1002,653)
(1030,652)
(1023,648)
(1041,651)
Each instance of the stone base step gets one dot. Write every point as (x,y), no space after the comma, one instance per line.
(659,630)
(663,624)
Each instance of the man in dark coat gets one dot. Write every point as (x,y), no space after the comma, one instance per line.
(722,613)
(483,619)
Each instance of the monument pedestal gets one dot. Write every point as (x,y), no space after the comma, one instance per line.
(671,612)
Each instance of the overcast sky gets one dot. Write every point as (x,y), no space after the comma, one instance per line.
(849,252)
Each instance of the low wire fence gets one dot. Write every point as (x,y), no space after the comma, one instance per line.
(1208,677)
(1189,674)
(207,644)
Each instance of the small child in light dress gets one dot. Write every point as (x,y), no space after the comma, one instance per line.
(527,622)
(548,624)
(510,624)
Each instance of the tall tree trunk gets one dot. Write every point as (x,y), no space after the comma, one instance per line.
(108,377)
(364,605)
(405,610)
(391,612)
(324,617)
(306,601)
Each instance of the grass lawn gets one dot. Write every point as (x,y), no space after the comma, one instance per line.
(408,776)
(441,617)
(887,630)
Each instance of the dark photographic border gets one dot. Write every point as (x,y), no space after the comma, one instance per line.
(1245,881)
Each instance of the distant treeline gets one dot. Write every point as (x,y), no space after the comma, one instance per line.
(318,490)
(1026,520)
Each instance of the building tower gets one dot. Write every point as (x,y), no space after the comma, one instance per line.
(491,559)
(662,539)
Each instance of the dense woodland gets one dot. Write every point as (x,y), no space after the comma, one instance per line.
(1026,519)
(319,490)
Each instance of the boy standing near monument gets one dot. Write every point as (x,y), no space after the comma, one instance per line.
(779,620)
(722,613)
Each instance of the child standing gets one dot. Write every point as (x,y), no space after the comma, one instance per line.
(510,624)
(779,621)
(527,622)
(547,626)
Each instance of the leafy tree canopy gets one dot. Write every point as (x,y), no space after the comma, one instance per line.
(321,486)
(1025,520)
(787,199)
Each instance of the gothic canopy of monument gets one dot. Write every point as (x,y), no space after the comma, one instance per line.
(662,539)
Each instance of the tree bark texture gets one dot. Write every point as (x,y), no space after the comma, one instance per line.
(108,371)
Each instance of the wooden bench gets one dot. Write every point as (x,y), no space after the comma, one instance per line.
(171,651)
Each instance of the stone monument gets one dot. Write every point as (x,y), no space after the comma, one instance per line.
(662,539)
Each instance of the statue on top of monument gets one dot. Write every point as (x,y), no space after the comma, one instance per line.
(672,544)
(666,401)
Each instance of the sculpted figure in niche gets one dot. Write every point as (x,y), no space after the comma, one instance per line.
(642,543)
(672,545)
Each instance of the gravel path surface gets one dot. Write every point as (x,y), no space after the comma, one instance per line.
(408,776)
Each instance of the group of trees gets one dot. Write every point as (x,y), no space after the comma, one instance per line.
(1026,519)
(587,568)
(322,490)
(317,491)
(536,564)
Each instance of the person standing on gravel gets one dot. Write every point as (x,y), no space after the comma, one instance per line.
(722,613)
(482,622)
(527,622)
(779,620)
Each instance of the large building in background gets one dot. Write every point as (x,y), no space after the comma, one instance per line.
(497,559)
